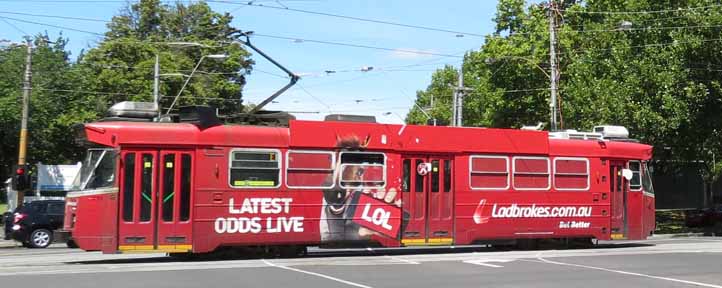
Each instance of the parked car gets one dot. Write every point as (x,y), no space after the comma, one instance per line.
(36,224)
(703,218)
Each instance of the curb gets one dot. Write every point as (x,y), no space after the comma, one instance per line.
(677,235)
(8,244)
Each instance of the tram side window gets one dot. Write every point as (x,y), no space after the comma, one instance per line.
(168,186)
(185,196)
(309,169)
(489,172)
(447,175)
(531,173)
(128,186)
(636,182)
(406,182)
(362,169)
(255,169)
(146,186)
(571,174)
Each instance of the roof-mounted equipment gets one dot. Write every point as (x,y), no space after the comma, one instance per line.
(132,111)
(350,118)
(612,132)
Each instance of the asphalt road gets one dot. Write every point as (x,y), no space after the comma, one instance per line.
(673,262)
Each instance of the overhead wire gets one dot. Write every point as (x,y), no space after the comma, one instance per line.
(52,25)
(54,16)
(642,12)
(367,20)
(295,39)
(15,27)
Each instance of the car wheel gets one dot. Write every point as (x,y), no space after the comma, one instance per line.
(41,238)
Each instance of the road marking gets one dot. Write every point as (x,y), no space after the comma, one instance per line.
(316,274)
(628,273)
(484,262)
(403,260)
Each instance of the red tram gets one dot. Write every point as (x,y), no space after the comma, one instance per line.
(179,187)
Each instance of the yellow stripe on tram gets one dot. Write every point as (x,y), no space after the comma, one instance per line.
(618,236)
(150,249)
(429,242)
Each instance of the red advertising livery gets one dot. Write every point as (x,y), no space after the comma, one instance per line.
(182,187)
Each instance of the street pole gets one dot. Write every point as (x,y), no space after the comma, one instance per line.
(454,102)
(458,105)
(22,146)
(554,69)
(156,83)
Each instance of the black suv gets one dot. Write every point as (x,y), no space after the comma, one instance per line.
(35,223)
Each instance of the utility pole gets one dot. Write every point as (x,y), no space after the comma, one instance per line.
(156,83)
(22,146)
(554,69)
(458,103)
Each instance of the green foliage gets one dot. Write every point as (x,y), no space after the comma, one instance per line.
(662,83)
(119,68)
(51,105)
(124,60)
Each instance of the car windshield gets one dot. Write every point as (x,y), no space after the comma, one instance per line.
(97,171)
(647,179)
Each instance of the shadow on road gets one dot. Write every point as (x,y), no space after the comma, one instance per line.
(246,254)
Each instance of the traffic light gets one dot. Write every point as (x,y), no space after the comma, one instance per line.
(21,181)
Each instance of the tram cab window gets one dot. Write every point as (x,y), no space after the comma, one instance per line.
(362,169)
(636,182)
(254,168)
(647,178)
(97,170)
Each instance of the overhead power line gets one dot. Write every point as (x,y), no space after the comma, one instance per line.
(53,16)
(645,29)
(376,21)
(296,39)
(644,12)
(15,27)
(51,25)
(86,92)
(642,46)
(356,45)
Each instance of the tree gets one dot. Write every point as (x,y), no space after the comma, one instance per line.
(124,60)
(660,78)
(54,81)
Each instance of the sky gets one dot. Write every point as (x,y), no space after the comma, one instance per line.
(380,82)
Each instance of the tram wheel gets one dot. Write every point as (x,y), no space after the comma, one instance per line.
(527,244)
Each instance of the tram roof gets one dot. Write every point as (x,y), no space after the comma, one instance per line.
(303,134)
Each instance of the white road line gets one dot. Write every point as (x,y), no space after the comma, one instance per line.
(316,274)
(629,273)
(403,260)
(484,262)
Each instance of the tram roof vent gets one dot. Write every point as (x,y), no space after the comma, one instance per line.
(612,132)
(131,109)
(574,134)
(350,118)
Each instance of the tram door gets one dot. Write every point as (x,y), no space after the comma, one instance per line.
(618,187)
(428,201)
(155,191)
